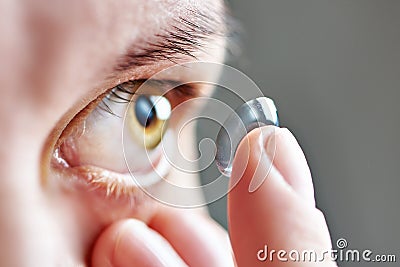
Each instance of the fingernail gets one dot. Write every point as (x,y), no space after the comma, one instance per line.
(290,161)
(267,145)
(138,244)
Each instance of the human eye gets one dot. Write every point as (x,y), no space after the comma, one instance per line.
(116,142)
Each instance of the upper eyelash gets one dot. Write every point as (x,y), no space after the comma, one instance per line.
(184,91)
(114,96)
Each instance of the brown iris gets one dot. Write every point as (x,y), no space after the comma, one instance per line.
(147,117)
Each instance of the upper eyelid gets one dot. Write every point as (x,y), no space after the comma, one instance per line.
(174,90)
(165,86)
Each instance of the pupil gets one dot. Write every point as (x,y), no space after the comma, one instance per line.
(144,110)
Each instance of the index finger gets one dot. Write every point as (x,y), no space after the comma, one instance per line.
(280,213)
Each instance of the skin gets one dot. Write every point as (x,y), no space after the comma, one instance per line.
(57,57)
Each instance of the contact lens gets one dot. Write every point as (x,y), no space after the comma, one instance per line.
(253,114)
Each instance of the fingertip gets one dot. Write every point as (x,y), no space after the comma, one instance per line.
(271,152)
(131,242)
(104,249)
(252,165)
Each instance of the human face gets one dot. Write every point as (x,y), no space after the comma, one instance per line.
(58,57)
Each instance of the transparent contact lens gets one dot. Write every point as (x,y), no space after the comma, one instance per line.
(249,116)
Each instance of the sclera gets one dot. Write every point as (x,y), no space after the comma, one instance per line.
(253,114)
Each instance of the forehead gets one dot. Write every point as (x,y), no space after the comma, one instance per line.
(70,44)
(133,17)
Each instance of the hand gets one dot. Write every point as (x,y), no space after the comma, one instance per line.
(281,214)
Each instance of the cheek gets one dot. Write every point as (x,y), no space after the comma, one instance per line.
(71,219)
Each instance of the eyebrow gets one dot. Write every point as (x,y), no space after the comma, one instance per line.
(182,38)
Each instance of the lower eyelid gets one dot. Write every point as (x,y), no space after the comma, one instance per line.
(102,182)
(115,184)
(108,198)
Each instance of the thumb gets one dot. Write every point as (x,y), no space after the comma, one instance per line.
(271,206)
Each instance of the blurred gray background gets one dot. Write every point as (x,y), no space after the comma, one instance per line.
(333,69)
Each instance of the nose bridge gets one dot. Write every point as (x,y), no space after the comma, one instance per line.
(21,138)
(22,213)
